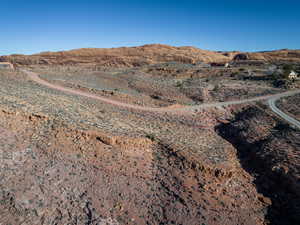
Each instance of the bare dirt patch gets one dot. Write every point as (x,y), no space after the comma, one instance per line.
(59,174)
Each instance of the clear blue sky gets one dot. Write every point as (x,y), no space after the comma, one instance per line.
(31,26)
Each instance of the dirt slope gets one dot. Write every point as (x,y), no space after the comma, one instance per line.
(268,149)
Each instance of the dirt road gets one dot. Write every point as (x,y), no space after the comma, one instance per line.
(272,104)
(188,109)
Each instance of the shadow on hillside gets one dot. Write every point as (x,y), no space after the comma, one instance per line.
(285,207)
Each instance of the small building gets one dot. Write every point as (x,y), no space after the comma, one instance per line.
(250,73)
(6,65)
(293,75)
(227,65)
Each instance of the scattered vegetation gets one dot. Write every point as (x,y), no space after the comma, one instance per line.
(179,84)
(234,74)
(151,136)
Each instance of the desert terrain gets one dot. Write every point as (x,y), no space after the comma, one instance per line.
(150,135)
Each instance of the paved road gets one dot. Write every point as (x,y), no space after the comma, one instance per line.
(286,117)
(184,110)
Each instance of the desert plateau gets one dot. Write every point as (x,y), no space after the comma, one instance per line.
(153,134)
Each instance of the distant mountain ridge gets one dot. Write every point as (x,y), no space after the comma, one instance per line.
(145,55)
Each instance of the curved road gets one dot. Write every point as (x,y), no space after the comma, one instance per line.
(188,109)
(289,119)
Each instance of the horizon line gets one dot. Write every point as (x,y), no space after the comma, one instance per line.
(135,46)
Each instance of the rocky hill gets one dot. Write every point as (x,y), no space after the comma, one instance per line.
(144,55)
(120,57)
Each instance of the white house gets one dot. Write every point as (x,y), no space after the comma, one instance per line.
(293,75)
